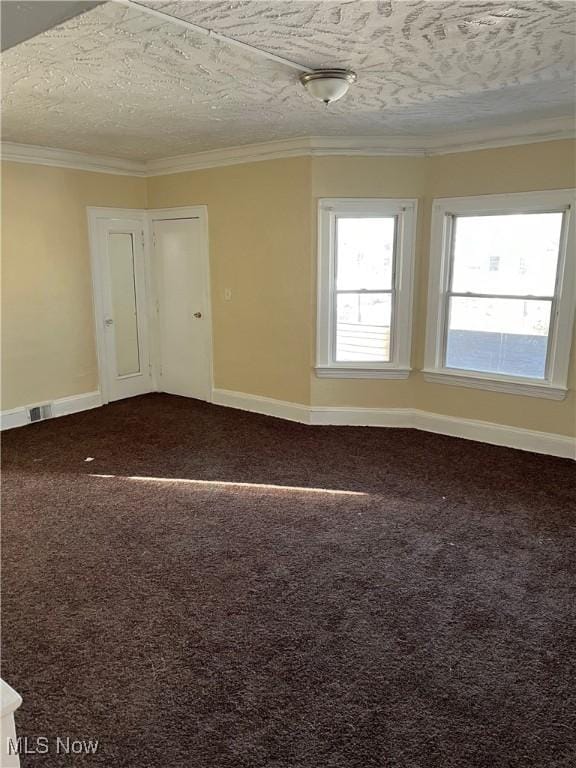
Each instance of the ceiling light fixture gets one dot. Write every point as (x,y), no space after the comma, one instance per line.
(328,85)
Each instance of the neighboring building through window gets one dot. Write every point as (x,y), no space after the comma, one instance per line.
(501,292)
(365,268)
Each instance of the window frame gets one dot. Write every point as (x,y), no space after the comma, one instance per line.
(563,302)
(405,212)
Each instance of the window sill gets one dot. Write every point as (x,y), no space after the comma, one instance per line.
(509,386)
(359,372)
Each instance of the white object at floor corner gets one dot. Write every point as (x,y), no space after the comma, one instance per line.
(9,703)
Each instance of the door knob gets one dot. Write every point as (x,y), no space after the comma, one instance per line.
(108,321)
(197,314)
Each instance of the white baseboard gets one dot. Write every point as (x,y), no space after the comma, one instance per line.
(282,409)
(359,417)
(18,417)
(497,434)
(76,403)
(15,417)
(411,418)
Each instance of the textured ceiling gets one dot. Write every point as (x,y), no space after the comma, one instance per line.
(116,81)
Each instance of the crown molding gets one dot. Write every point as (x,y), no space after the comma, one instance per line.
(314,146)
(359,146)
(64,158)
(215,158)
(551,129)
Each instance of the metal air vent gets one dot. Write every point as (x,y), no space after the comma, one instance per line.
(40,412)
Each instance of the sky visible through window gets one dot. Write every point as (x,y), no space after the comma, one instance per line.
(514,255)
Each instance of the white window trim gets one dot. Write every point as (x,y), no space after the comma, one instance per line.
(398,367)
(555,385)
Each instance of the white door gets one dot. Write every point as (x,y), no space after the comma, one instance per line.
(123,308)
(182,286)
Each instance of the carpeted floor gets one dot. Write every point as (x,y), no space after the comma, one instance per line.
(404,600)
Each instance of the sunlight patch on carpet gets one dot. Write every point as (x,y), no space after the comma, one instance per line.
(229,484)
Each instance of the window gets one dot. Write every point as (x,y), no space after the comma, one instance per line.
(501,292)
(365,267)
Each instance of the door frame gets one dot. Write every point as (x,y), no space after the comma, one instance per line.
(95,216)
(199,212)
(147,217)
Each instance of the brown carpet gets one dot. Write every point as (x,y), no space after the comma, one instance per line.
(426,620)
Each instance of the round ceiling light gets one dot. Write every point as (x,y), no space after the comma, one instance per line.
(328,85)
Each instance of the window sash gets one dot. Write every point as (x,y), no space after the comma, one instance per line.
(398,291)
(336,291)
(363,290)
(519,296)
(487,372)
(448,294)
(334,339)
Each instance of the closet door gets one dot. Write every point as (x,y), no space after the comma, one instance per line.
(125,311)
(181,277)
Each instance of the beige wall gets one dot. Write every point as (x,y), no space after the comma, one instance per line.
(259,228)
(262,228)
(48,348)
(548,165)
(367,177)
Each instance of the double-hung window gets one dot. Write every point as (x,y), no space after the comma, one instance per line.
(501,292)
(365,274)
